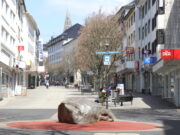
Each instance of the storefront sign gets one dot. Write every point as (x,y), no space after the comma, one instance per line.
(170,54)
(20,48)
(146,51)
(129,50)
(150,60)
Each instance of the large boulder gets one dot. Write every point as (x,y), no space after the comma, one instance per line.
(82,110)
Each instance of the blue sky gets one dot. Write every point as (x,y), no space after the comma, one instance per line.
(50,14)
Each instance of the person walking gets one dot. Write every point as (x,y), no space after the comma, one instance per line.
(47,84)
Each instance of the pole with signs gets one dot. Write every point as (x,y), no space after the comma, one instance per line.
(107,61)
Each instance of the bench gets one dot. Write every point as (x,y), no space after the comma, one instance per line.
(123,98)
(86,90)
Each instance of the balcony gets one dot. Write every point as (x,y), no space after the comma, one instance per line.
(128,66)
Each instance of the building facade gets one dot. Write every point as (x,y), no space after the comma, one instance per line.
(14,29)
(60,56)
(156,28)
(126,64)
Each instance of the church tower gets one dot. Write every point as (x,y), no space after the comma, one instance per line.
(67,23)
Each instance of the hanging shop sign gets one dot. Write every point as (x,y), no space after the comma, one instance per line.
(150,60)
(129,50)
(146,51)
(170,54)
(20,48)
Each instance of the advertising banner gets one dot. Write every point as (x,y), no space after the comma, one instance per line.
(20,48)
(170,54)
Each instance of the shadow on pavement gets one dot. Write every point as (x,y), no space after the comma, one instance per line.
(155,102)
(29,132)
(173,127)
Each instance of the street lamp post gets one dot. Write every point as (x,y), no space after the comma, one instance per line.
(107,62)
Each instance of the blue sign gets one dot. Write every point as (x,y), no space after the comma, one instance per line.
(111,52)
(114,52)
(150,60)
(107,59)
(101,52)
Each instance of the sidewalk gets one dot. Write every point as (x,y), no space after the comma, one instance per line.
(143,101)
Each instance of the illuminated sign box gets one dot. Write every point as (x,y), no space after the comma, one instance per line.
(170,54)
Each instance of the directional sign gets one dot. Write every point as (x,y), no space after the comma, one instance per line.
(107,59)
(114,52)
(101,52)
(111,52)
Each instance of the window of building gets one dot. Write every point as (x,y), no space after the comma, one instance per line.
(142,33)
(139,33)
(145,29)
(149,46)
(146,8)
(2,3)
(140,13)
(161,7)
(149,4)
(149,25)
(154,22)
(143,12)
(153,1)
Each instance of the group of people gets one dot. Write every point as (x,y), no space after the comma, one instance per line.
(106,92)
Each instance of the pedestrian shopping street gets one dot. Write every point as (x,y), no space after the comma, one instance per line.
(41,104)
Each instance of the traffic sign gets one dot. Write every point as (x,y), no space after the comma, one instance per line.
(107,59)
(114,52)
(101,52)
(110,52)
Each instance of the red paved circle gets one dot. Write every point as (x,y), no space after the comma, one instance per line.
(97,126)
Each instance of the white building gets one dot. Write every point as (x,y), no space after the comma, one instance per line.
(147,27)
(13,29)
(126,64)
(168,22)
(156,28)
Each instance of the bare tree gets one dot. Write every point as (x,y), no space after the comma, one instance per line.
(67,64)
(100,33)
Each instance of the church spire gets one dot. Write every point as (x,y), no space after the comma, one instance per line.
(67,22)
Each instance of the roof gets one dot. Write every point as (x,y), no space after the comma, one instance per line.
(72,32)
(123,11)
